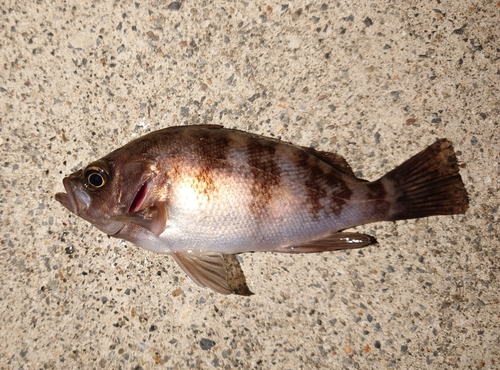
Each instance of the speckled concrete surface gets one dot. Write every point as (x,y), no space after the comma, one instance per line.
(374,81)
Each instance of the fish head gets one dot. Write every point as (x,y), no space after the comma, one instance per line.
(112,192)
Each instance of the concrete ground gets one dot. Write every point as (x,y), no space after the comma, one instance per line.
(374,81)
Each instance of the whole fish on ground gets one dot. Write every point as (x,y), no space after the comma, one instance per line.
(204,193)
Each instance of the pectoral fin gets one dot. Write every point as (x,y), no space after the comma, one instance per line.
(153,218)
(331,242)
(220,272)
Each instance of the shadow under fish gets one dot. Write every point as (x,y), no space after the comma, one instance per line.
(204,194)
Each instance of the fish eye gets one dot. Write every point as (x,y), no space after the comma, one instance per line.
(96,176)
(95,180)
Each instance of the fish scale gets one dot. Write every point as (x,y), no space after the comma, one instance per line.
(204,193)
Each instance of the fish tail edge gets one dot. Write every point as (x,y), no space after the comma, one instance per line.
(428,184)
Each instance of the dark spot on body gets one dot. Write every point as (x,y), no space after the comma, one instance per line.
(205,182)
(376,190)
(265,171)
(377,195)
(210,147)
(340,195)
(315,190)
(175,169)
(325,187)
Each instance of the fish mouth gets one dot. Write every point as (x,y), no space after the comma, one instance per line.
(75,199)
(116,230)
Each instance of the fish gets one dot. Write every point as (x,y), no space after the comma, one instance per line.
(204,194)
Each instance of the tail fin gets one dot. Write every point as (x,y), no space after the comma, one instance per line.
(428,184)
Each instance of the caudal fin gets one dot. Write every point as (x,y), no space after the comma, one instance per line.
(428,184)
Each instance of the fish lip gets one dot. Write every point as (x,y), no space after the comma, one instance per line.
(118,231)
(75,199)
(63,198)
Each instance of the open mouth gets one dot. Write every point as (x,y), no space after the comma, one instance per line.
(139,198)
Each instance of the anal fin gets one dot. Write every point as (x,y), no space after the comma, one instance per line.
(331,242)
(219,272)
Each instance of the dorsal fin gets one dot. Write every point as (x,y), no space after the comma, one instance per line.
(333,159)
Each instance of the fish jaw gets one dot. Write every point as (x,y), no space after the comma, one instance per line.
(78,201)
(75,199)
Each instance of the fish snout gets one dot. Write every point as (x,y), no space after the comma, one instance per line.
(76,198)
